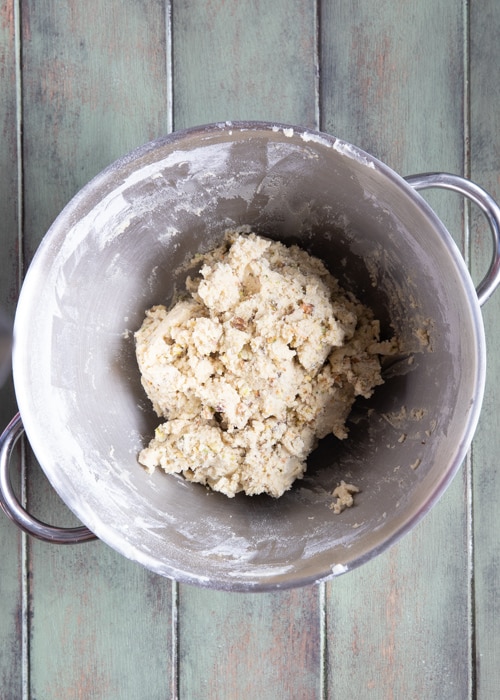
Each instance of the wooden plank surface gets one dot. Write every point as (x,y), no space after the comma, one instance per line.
(11,541)
(413,83)
(243,646)
(485,169)
(245,60)
(92,90)
(399,94)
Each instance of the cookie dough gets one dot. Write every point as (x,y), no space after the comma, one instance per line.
(344,497)
(263,357)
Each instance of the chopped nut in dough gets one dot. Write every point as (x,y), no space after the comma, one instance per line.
(264,356)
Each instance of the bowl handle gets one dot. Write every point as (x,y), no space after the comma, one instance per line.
(487,205)
(15,511)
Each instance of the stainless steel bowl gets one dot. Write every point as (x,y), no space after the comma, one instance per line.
(117,249)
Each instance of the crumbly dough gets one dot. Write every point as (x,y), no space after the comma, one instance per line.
(344,495)
(264,356)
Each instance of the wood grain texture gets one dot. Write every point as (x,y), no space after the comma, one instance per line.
(400,625)
(392,82)
(485,169)
(11,540)
(100,626)
(92,90)
(246,61)
(250,646)
(9,180)
(416,85)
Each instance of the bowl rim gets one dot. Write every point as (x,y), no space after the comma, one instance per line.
(34,278)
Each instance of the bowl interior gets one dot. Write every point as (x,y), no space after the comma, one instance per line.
(122,245)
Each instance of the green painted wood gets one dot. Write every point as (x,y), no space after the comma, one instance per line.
(9,173)
(244,60)
(485,169)
(392,82)
(100,626)
(422,620)
(399,626)
(11,552)
(93,88)
(252,60)
(235,645)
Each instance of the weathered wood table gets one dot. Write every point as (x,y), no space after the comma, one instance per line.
(414,83)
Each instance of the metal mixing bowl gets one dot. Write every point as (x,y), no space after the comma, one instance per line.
(117,249)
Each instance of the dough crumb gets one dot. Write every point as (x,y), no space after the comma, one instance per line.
(344,495)
(264,356)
